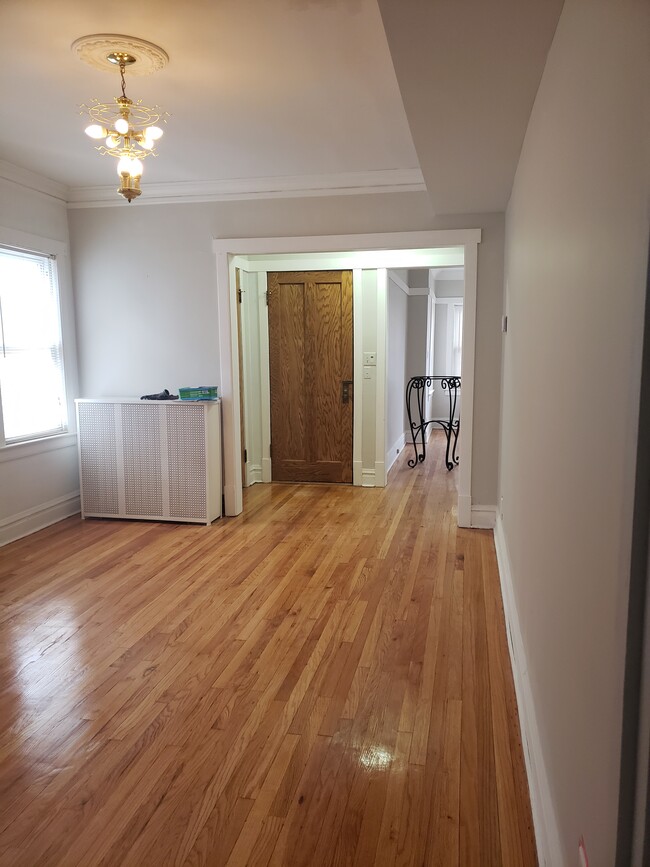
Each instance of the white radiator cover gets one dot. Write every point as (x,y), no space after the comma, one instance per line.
(157,459)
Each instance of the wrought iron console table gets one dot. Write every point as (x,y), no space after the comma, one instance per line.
(450,425)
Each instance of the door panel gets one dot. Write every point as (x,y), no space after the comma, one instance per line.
(311,355)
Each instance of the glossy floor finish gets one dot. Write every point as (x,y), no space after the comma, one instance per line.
(324,680)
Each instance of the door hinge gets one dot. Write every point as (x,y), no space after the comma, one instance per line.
(270,451)
(245,456)
(239,295)
(267,297)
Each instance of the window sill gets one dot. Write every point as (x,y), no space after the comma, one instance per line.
(36,447)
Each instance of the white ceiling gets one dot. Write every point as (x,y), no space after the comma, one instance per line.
(288,89)
(255,88)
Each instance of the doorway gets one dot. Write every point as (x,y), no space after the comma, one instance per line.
(311,375)
(424,249)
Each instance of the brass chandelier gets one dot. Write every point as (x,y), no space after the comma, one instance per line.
(130,130)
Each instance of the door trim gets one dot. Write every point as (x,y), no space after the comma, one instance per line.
(378,250)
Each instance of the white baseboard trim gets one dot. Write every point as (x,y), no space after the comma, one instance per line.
(464,511)
(368,478)
(16,526)
(380,474)
(484,517)
(253,474)
(394,450)
(266,470)
(549,848)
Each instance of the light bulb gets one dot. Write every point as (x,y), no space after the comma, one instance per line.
(112,141)
(95,131)
(153,133)
(121,125)
(124,165)
(136,168)
(146,143)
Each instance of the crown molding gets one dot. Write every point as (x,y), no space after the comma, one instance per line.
(295,186)
(33,181)
(183,192)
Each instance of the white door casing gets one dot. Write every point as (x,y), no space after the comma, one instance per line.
(380,251)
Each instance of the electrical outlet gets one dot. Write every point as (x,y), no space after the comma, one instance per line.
(370,358)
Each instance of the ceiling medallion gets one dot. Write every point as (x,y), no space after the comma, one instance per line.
(130,130)
(96,48)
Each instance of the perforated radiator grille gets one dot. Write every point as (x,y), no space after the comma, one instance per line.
(142,471)
(98,458)
(186,458)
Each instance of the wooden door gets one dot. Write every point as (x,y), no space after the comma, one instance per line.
(311,365)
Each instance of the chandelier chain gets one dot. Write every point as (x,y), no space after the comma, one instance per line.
(123,81)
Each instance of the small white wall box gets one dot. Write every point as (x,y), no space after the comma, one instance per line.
(157,459)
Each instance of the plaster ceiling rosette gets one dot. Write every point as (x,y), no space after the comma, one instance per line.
(96,48)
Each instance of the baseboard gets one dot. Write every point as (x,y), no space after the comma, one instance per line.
(484,517)
(393,452)
(380,474)
(38,517)
(253,474)
(368,478)
(266,470)
(549,848)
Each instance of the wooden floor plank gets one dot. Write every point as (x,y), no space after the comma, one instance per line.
(323,680)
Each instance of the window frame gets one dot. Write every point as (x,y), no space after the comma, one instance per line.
(57,249)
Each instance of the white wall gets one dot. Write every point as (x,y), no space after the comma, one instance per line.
(158,329)
(396,423)
(419,311)
(39,483)
(576,258)
(450,288)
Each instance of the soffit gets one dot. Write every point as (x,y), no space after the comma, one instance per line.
(468,72)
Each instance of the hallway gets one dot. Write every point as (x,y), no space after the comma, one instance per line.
(322,680)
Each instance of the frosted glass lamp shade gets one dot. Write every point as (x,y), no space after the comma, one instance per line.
(95,131)
(124,165)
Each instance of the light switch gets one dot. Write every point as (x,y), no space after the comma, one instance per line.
(367,373)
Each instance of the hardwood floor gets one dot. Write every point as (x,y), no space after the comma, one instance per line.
(323,680)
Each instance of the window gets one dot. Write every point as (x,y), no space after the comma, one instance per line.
(32,384)
(457,338)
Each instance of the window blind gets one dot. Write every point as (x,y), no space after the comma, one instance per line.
(32,383)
